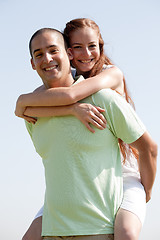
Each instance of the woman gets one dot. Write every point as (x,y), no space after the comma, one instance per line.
(85,44)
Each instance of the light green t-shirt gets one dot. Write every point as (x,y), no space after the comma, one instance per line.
(82,169)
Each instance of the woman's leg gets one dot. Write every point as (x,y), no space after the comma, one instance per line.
(127,226)
(34,231)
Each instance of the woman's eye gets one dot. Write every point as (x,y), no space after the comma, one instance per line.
(92,46)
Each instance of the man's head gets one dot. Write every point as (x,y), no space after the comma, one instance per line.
(49,57)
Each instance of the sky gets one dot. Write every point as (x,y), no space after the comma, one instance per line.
(131,32)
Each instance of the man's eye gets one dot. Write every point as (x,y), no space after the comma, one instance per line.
(38,55)
(77,47)
(54,50)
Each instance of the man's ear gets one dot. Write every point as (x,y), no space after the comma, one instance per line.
(69,52)
(33,65)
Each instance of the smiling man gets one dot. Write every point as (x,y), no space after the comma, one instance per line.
(52,70)
(82,170)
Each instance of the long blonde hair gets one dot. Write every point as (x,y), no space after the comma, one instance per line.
(80,23)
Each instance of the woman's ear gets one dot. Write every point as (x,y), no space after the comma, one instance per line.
(69,52)
(33,65)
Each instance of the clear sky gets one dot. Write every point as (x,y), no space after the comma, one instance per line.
(131,31)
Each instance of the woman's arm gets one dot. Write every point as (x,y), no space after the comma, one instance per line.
(109,78)
(86,113)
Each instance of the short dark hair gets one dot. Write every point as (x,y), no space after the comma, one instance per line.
(40,31)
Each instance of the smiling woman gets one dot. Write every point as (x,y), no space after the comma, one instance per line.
(85,50)
(90,40)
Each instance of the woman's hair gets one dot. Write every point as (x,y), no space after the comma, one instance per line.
(80,23)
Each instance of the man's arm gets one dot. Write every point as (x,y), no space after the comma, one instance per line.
(125,124)
(147,149)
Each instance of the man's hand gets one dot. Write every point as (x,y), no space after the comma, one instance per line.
(148,196)
(147,149)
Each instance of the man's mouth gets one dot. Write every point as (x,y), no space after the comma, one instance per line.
(51,68)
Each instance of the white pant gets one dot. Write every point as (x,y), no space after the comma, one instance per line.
(134,197)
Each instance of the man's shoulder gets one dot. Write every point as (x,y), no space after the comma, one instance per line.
(108,95)
(107,98)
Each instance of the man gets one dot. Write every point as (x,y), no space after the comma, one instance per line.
(83,171)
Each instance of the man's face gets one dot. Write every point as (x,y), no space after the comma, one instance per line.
(50,59)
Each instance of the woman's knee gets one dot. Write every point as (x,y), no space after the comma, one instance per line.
(129,234)
(127,226)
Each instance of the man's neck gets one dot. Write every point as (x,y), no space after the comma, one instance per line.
(69,81)
(66,82)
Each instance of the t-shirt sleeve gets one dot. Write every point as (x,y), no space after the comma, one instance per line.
(121,118)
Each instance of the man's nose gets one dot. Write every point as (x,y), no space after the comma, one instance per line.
(48,58)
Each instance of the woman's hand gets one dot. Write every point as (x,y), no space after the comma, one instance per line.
(20,108)
(19,112)
(89,114)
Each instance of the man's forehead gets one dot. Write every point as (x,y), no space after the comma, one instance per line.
(47,39)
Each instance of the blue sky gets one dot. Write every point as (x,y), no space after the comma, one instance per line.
(131,33)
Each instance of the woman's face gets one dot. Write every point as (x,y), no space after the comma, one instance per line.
(85,50)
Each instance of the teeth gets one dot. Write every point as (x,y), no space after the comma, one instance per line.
(86,61)
(50,68)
